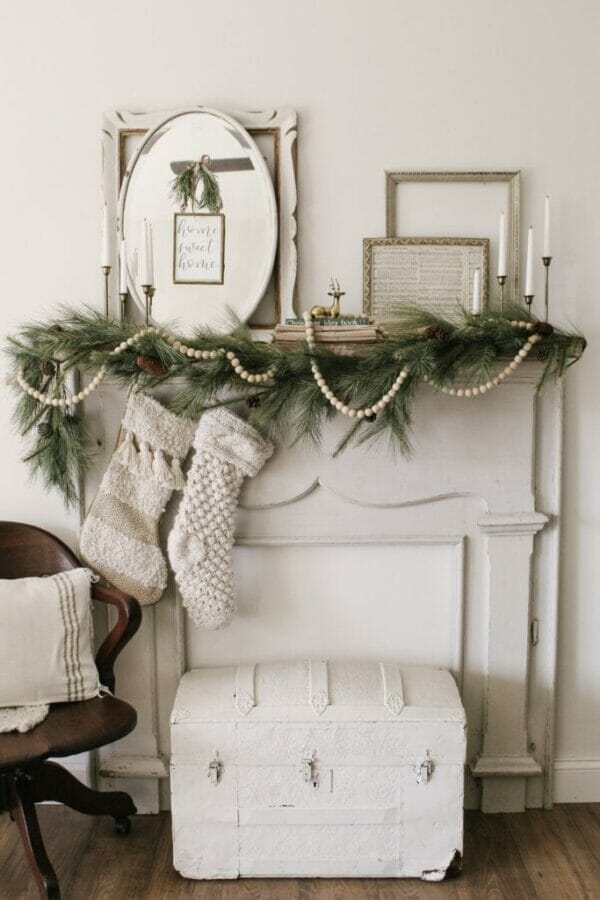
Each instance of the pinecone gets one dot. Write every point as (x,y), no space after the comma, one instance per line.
(543,328)
(150,365)
(436,333)
(252,401)
(48,367)
(45,429)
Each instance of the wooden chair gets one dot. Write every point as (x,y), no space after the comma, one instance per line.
(26,775)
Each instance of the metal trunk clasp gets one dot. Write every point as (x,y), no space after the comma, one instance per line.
(424,770)
(215,769)
(308,769)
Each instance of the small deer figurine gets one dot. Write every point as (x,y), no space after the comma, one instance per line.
(329,312)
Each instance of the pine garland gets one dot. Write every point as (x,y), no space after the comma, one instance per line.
(465,349)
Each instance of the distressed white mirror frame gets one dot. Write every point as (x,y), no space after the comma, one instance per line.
(275,133)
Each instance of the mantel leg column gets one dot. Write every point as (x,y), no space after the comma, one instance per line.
(505,763)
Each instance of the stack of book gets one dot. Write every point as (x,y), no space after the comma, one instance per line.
(341,330)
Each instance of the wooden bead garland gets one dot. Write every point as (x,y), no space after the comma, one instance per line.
(486,386)
(368,412)
(190,352)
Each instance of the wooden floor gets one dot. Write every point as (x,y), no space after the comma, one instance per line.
(537,854)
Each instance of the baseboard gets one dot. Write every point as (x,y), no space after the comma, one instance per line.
(577,781)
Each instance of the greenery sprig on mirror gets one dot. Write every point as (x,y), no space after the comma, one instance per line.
(184,188)
(286,391)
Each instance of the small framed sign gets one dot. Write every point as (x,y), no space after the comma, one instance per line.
(199,248)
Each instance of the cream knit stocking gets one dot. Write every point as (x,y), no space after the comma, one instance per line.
(201,540)
(119,539)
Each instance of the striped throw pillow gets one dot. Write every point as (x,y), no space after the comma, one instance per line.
(46,640)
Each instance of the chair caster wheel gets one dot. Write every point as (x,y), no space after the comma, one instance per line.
(123,826)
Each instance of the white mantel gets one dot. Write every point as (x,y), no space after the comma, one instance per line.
(449,558)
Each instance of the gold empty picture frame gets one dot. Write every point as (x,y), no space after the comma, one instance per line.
(455,203)
(435,273)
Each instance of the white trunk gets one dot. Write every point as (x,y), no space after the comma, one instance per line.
(315,769)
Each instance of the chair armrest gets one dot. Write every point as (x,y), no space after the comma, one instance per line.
(128,622)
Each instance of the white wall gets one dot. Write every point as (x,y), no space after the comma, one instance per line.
(384,84)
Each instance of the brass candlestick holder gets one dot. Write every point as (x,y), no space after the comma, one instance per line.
(106,273)
(501,281)
(546,260)
(123,298)
(149,294)
(528,298)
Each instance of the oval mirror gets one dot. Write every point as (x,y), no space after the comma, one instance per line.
(200,185)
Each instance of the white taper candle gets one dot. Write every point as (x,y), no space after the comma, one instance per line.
(145,256)
(547,227)
(123,267)
(476,301)
(529,289)
(502,247)
(106,257)
(150,252)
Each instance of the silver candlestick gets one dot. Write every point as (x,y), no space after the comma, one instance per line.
(501,281)
(106,273)
(149,294)
(546,260)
